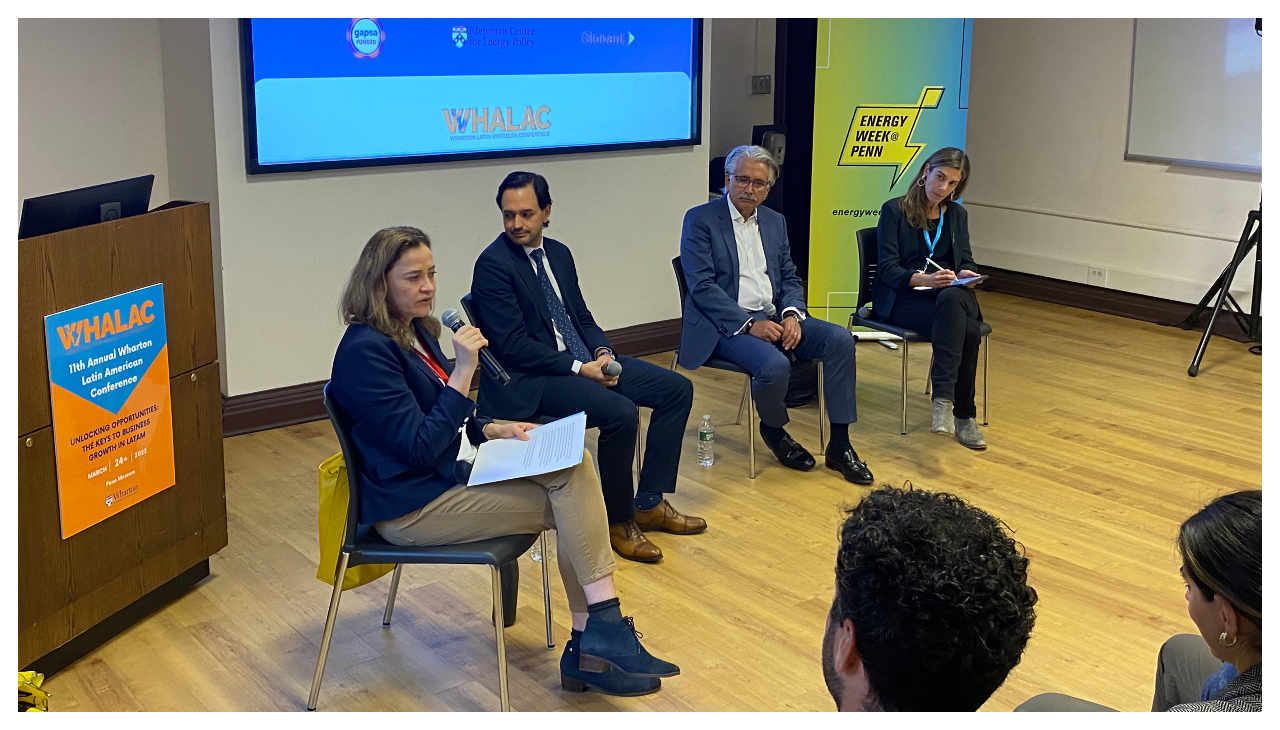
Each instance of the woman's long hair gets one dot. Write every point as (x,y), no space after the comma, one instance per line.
(915,204)
(1221,547)
(364,298)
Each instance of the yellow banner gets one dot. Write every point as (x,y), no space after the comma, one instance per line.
(880,134)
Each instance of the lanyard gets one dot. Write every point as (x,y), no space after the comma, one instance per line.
(430,361)
(942,216)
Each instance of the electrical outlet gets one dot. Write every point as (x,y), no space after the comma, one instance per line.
(1097,276)
(762,84)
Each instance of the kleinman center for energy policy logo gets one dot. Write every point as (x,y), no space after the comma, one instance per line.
(459,35)
(365,36)
(880,134)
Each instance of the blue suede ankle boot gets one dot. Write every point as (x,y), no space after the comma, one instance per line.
(611,681)
(611,639)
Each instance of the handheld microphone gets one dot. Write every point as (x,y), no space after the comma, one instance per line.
(613,369)
(453,321)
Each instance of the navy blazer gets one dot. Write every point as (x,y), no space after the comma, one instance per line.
(404,421)
(513,315)
(902,252)
(709,257)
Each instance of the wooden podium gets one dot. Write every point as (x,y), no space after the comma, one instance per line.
(74,594)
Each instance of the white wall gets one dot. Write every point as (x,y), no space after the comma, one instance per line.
(740,48)
(1051,193)
(193,163)
(90,105)
(288,241)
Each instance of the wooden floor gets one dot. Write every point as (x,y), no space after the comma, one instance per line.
(1099,446)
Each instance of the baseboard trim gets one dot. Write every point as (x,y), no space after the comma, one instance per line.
(273,408)
(303,403)
(108,628)
(646,339)
(1108,301)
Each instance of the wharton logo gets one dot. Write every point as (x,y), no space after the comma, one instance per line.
(459,35)
(365,37)
(482,121)
(880,134)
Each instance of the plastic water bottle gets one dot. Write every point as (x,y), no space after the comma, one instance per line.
(706,442)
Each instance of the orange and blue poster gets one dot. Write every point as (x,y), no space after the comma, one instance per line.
(112,427)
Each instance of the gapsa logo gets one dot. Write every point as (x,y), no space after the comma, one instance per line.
(72,335)
(365,37)
(482,121)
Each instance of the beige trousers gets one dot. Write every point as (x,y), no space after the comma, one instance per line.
(570,501)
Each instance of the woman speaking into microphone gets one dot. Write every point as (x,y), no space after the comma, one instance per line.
(414,426)
(924,247)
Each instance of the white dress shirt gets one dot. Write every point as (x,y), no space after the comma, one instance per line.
(754,288)
(528,251)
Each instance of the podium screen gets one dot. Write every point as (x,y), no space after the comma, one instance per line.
(330,93)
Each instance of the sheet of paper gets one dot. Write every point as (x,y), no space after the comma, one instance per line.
(551,447)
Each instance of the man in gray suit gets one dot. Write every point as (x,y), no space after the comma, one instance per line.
(746,305)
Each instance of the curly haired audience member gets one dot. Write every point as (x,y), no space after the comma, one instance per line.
(1221,669)
(932,607)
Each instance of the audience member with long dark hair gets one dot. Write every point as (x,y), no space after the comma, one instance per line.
(1221,669)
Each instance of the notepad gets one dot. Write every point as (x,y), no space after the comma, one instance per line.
(958,282)
(551,447)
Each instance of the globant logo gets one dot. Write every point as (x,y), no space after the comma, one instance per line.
(365,37)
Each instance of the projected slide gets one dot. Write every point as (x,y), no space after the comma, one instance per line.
(343,92)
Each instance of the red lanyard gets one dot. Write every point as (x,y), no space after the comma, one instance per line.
(431,363)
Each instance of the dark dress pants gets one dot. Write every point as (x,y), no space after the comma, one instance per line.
(770,369)
(949,318)
(614,411)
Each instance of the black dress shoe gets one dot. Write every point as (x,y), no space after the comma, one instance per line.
(847,463)
(791,454)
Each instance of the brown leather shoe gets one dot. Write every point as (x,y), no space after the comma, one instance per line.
(665,519)
(630,543)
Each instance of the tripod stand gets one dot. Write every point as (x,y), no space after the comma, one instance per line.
(1250,238)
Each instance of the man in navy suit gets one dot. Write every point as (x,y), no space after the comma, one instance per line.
(746,305)
(526,296)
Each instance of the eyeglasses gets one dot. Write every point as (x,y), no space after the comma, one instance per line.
(756,185)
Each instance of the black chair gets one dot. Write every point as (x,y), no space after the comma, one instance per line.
(467,302)
(747,403)
(362,545)
(863,316)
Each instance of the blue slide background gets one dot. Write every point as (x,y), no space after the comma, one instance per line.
(316,101)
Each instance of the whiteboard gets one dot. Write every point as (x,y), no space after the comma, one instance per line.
(1196,93)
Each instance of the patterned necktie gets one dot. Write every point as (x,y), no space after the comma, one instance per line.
(569,333)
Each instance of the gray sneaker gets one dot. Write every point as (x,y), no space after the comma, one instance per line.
(943,421)
(968,435)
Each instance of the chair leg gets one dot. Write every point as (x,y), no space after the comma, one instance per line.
(499,634)
(639,444)
(391,595)
(822,412)
(742,404)
(906,346)
(928,378)
(986,375)
(328,630)
(546,589)
(674,357)
(751,436)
